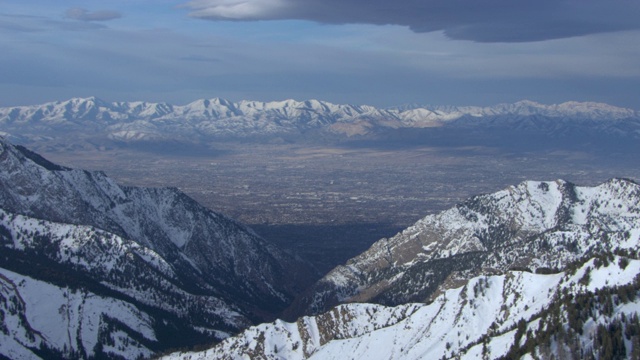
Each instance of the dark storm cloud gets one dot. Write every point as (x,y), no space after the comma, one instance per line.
(86,15)
(481,21)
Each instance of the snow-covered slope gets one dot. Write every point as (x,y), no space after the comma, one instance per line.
(101,289)
(60,322)
(196,271)
(508,315)
(205,119)
(539,226)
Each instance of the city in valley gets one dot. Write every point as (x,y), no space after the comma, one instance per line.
(329,203)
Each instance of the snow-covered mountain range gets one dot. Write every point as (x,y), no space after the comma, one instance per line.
(539,269)
(204,120)
(128,271)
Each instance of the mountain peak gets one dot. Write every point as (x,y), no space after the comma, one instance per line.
(529,103)
(89,101)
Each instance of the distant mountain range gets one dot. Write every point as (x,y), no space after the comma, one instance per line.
(103,124)
(90,268)
(538,270)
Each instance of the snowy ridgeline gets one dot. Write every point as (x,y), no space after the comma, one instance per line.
(538,226)
(531,315)
(135,121)
(216,108)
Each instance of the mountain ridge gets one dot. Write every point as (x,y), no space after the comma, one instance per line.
(191,274)
(500,316)
(216,108)
(492,231)
(206,119)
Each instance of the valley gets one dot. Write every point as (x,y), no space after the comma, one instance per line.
(328,204)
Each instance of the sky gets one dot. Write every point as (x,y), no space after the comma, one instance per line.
(374,52)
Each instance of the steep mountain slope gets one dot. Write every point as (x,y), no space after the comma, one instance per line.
(99,122)
(109,295)
(590,310)
(541,226)
(197,272)
(212,252)
(71,324)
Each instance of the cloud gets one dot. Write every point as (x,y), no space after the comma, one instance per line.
(86,15)
(480,21)
(238,9)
